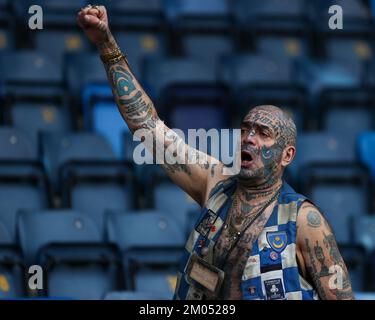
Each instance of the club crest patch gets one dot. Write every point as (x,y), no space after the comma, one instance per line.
(277,240)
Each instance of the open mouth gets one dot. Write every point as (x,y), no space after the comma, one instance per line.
(246,158)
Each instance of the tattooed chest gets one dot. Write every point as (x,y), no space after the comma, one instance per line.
(231,255)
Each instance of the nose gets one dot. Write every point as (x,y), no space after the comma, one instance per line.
(250,137)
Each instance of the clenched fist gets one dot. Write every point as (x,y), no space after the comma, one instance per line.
(94,22)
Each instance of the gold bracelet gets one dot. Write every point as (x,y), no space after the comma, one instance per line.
(113,57)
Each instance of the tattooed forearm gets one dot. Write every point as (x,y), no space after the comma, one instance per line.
(135,106)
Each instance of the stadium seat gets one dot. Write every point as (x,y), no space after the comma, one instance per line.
(152,254)
(332,83)
(33,94)
(88,84)
(60,148)
(333,148)
(139,28)
(357,17)
(364,228)
(366,148)
(188,93)
(102,116)
(81,71)
(12,270)
(330,176)
(60,34)
(69,247)
(271,81)
(135,12)
(202,29)
(346,120)
(342,195)
(275,28)
(175,202)
(84,168)
(22,179)
(355,260)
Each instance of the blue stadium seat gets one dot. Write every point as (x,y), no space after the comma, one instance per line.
(140,45)
(81,71)
(69,247)
(32,89)
(331,82)
(326,167)
(272,15)
(60,34)
(14,144)
(152,254)
(347,120)
(95,198)
(333,148)
(354,51)
(355,260)
(366,150)
(202,29)
(271,81)
(139,28)
(357,17)
(22,180)
(11,267)
(189,95)
(275,28)
(135,12)
(101,115)
(84,168)
(60,148)
(341,204)
(171,200)
(158,230)
(88,83)
(364,228)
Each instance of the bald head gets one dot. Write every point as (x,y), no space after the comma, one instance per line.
(281,123)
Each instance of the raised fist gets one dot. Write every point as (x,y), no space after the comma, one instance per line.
(94,22)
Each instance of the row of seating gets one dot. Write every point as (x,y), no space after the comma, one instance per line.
(203,31)
(187,93)
(140,251)
(81,171)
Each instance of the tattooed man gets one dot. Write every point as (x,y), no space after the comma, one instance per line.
(256,238)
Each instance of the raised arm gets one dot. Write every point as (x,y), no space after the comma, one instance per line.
(194,171)
(321,257)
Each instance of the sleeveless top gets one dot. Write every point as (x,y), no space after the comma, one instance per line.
(271,271)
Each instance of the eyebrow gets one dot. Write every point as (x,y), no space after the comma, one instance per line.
(261,126)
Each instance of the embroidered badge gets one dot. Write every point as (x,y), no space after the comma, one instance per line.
(277,240)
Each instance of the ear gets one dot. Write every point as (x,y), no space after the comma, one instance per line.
(288,155)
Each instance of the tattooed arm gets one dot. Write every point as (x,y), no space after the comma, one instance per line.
(321,259)
(193,171)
